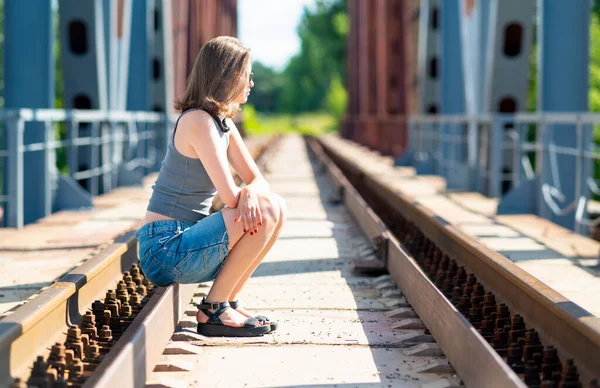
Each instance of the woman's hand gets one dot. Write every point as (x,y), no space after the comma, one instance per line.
(248,210)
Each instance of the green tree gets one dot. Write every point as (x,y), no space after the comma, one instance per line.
(306,79)
(267,88)
(336,99)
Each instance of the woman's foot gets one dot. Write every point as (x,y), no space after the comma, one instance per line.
(230,317)
(218,319)
(246,313)
(236,306)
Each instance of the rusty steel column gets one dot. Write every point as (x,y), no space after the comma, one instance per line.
(363,79)
(181,19)
(349,122)
(408,88)
(373,86)
(234,27)
(381,47)
(396,103)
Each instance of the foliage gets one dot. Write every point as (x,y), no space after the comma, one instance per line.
(313,80)
(313,123)
(336,99)
(267,88)
(307,78)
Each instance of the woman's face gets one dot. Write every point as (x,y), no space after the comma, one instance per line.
(246,79)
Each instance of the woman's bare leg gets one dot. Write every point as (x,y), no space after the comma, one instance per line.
(244,248)
(263,253)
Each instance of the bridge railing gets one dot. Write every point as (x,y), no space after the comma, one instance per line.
(540,163)
(53,159)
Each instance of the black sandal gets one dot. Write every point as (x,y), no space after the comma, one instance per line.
(214,327)
(261,318)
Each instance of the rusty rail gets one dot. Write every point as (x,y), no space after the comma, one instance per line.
(575,334)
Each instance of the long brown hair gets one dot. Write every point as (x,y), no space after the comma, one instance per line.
(216,78)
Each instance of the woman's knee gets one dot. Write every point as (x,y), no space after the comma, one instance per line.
(282,207)
(269,207)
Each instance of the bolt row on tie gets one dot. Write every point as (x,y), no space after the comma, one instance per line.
(520,347)
(69,364)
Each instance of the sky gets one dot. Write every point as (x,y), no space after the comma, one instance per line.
(269,28)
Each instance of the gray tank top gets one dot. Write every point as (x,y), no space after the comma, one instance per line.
(183,189)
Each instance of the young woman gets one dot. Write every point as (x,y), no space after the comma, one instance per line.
(180,241)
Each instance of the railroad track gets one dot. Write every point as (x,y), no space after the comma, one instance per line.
(101,324)
(497,325)
(475,303)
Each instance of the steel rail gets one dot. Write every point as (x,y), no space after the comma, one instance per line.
(572,330)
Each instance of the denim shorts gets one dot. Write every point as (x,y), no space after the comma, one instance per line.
(176,251)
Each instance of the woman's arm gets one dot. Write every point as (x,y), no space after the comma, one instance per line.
(201,133)
(242,161)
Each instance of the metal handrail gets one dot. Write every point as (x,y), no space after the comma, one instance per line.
(511,150)
(117,142)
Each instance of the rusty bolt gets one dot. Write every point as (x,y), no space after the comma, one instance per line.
(149,286)
(570,377)
(532,374)
(75,369)
(532,345)
(461,277)
(39,377)
(135,299)
(93,351)
(487,329)
(517,329)
(456,295)
(464,305)
(116,327)
(98,310)
(550,362)
(125,310)
(88,325)
(105,334)
(74,342)
(489,304)
(502,316)
(130,284)
(475,316)
(141,289)
(500,342)
(513,358)
(107,317)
